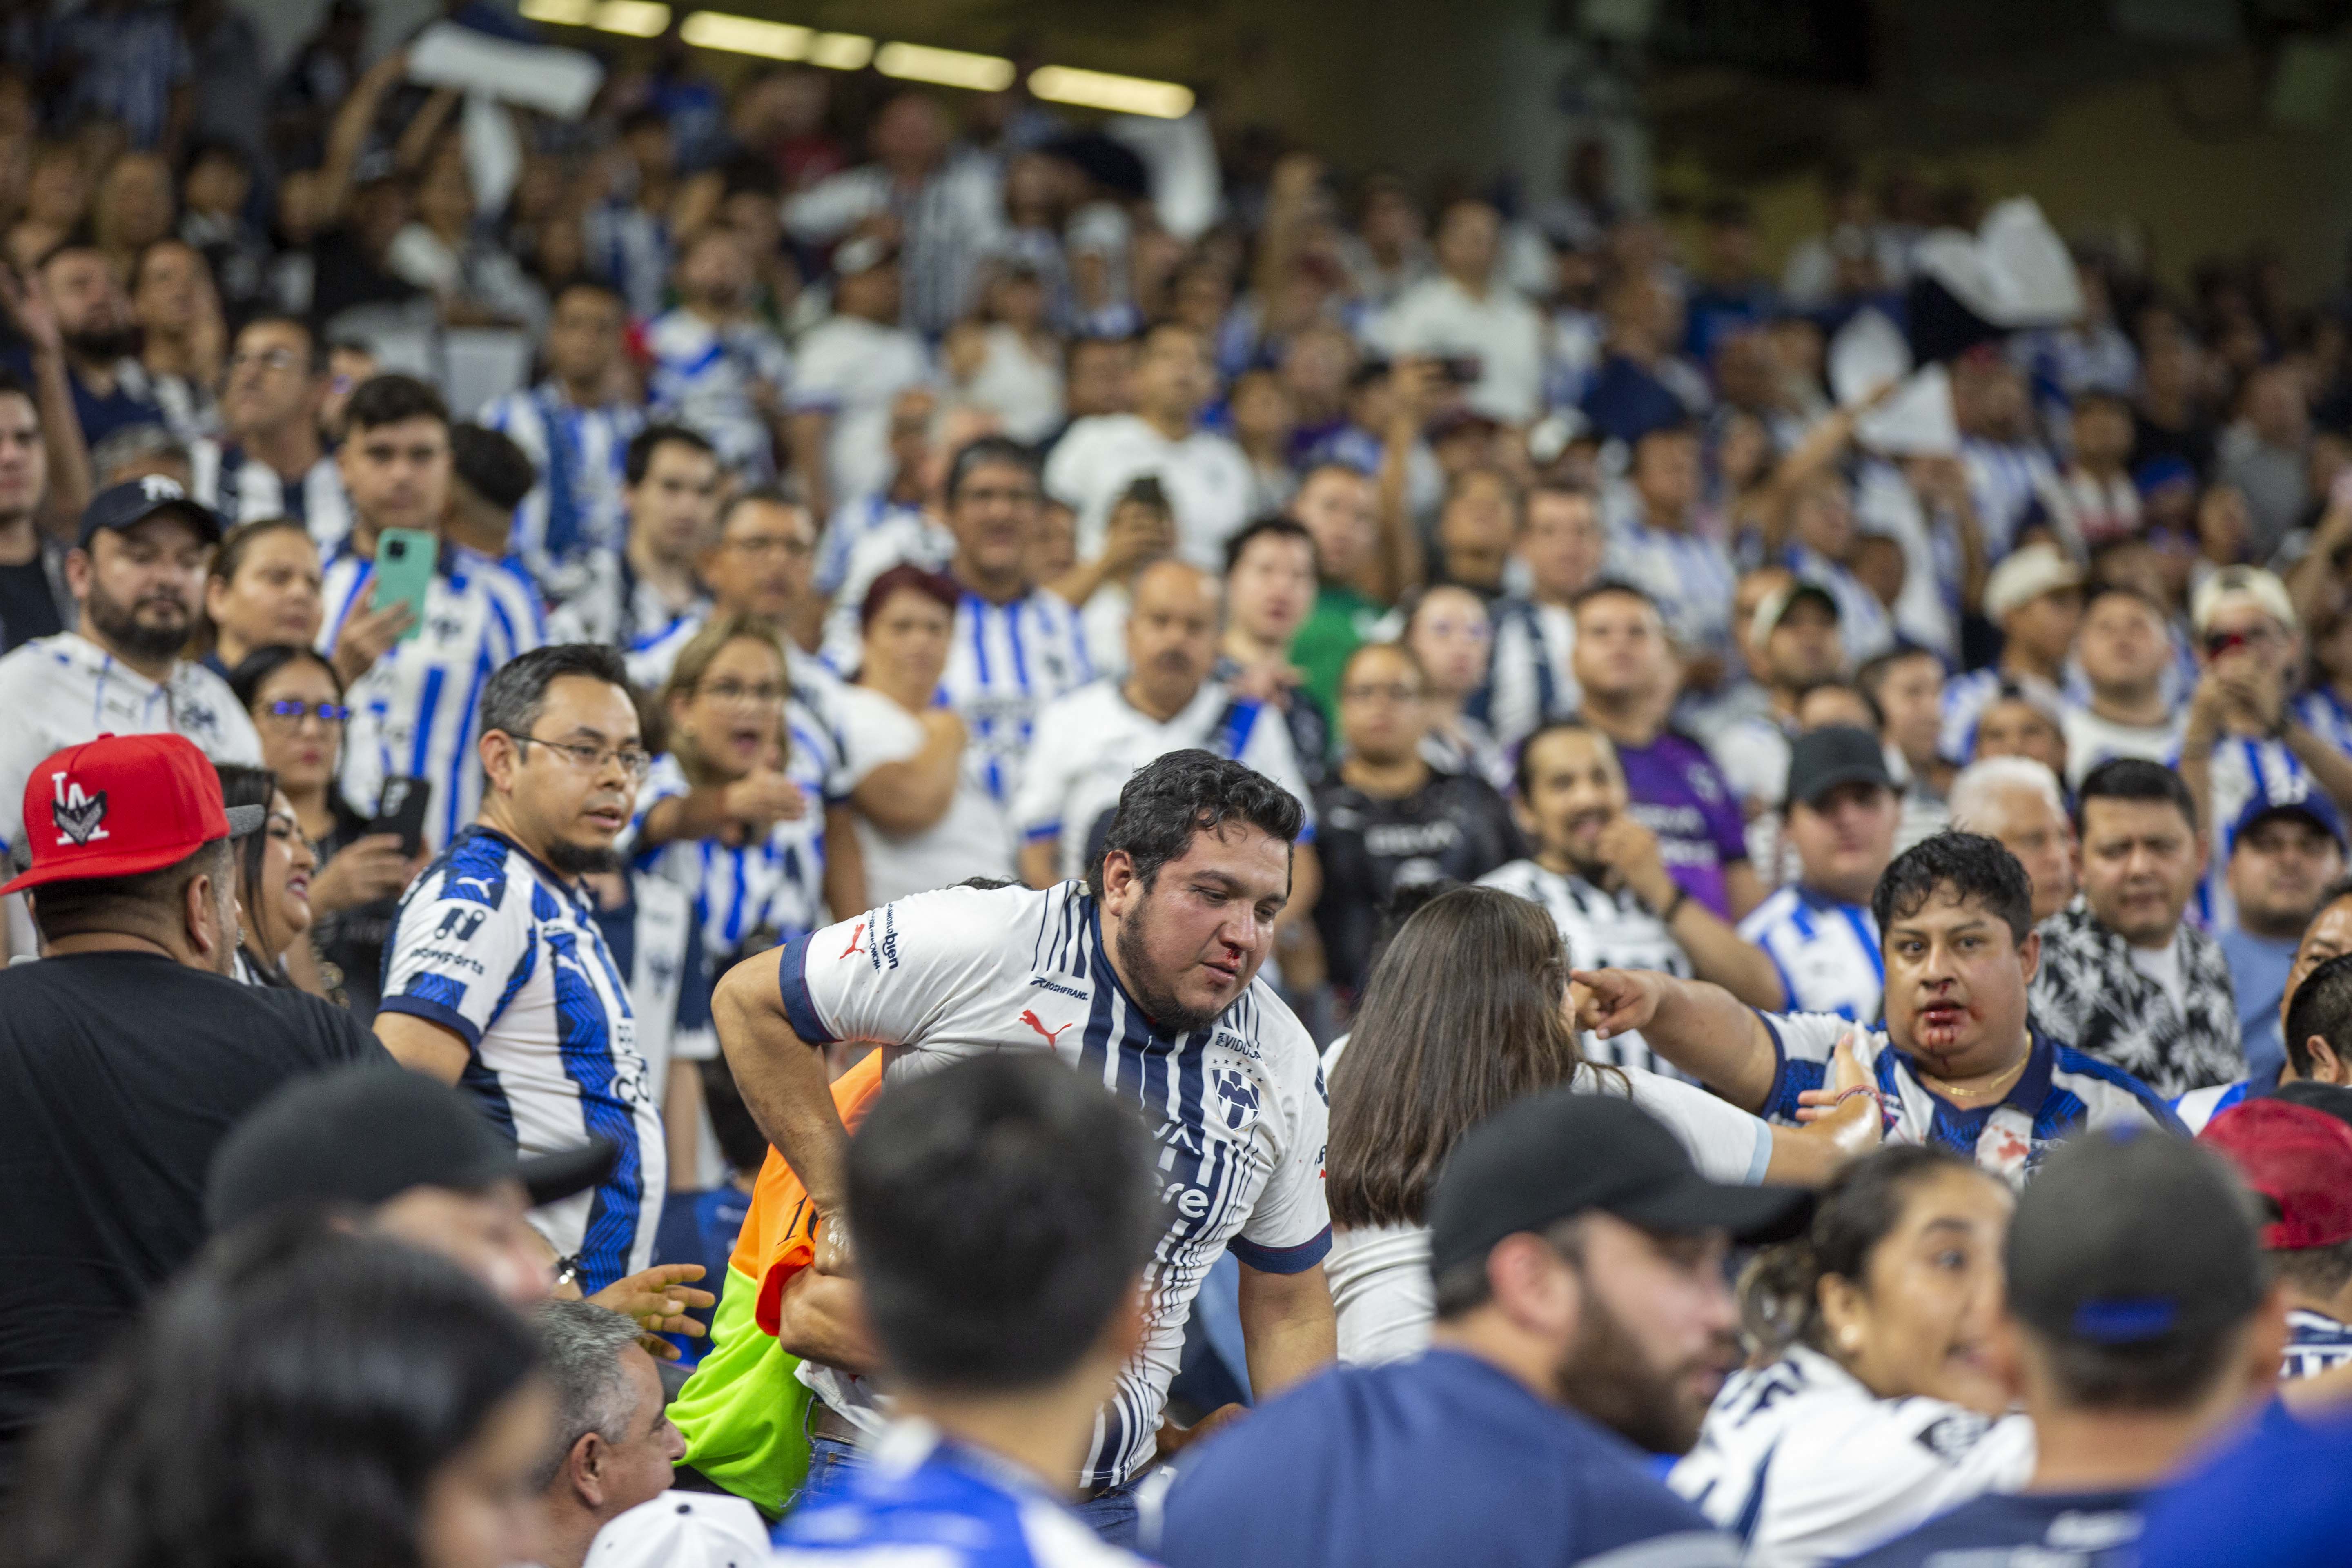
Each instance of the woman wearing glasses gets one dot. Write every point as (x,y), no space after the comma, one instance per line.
(718,813)
(296,699)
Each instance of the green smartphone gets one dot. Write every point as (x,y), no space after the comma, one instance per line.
(404,558)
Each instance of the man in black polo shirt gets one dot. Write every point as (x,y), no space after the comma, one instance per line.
(127,1052)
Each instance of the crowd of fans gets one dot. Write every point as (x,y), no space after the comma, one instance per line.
(1006,783)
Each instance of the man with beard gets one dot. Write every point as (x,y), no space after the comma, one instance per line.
(272,462)
(717,370)
(1955,1060)
(138,571)
(1582,1313)
(94,321)
(1598,873)
(1144,977)
(496,977)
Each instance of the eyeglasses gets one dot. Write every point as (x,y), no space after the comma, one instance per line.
(268,359)
(765,694)
(1374,693)
(759,547)
(593,759)
(289,713)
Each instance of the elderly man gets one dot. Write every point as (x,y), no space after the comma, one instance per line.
(2123,975)
(2016,802)
(613,1446)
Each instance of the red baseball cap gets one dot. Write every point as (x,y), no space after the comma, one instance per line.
(123,805)
(2300,1159)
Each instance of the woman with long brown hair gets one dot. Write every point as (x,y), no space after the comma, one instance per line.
(1467,1011)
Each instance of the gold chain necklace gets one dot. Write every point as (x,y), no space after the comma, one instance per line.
(1993,1090)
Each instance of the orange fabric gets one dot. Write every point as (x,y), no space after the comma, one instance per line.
(778,1235)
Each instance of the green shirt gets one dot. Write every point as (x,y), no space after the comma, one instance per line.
(1341,623)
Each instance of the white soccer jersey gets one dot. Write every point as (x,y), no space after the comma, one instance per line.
(1237,1109)
(504,953)
(1602,931)
(852,369)
(246,490)
(417,713)
(2059,1092)
(1827,952)
(58,692)
(1208,482)
(1530,683)
(1689,576)
(579,453)
(2243,768)
(703,376)
(745,895)
(1807,1465)
(1091,743)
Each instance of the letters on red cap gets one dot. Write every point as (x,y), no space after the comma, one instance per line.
(118,807)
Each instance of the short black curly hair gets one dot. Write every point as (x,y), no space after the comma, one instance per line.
(1169,800)
(1968,864)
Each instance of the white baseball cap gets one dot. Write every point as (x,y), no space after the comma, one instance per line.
(2242,585)
(683,1530)
(2025,575)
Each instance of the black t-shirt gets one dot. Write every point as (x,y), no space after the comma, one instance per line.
(120,1074)
(1454,826)
(27,608)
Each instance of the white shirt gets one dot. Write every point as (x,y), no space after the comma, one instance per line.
(968,841)
(1091,741)
(2091,739)
(60,690)
(507,956)
(416,714)
(1507,335)
(1207,480)
(1808,1466)
(245,490)
(1602,931)
(703,377)
(745,894)
(852,368)
(853,522)
(1826,953)
(1237,1109)
(2162,964)
(1022,387)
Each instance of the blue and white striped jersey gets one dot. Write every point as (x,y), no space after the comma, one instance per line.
(493,946)
(416,714)
(2005,480)
(246,490)
(853,522)
(1826,951)
(924,1501)
(576,506)
(748,895)
(2199,1106)
(1966,696)
(1865,630)
(1531,680)
(2315,1342)
(812,712)
(2243,767)
(1689,576)
(2061,1091)
(703,377)
(629,247)
(2325,714)
(605,601)
(1602,931)
(1006,662)
(1238,1108)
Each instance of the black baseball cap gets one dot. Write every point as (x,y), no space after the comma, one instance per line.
(1820,760)
(360,1135)
(1555,1155)
(2332,1098)
(2134,1236)
(132,503)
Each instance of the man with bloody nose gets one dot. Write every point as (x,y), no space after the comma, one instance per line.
(1142,975)
(1954,1060)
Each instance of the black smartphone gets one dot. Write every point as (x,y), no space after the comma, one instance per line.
(401,809)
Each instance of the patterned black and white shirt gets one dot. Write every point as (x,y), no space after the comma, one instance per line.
(2089,992)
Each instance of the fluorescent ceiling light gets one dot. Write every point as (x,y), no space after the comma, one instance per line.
(637,18)
(840,52)
(948,68)
(1120,94)
(747,35)
(568,13)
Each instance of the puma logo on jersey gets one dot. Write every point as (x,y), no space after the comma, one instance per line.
(77,815)
(1053,1037)
(851,951)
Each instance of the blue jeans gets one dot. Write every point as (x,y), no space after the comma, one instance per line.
(1111,1516)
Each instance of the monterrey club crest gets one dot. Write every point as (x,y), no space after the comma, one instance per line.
(78,815)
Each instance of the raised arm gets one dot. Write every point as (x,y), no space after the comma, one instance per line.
(1703,1029)
(348,139)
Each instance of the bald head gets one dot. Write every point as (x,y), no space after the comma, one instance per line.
(1171,635)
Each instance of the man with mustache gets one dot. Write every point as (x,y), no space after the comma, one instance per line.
(94,321)
(1955,1060)
(1601,876)
(1583,1312)
(717,370)
(1088,742)
(138,572)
